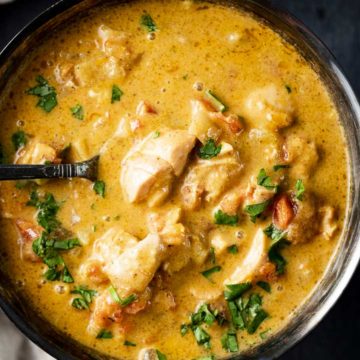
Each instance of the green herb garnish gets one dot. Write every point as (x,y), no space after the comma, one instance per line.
(209,150)
(264,285)
(83,302)
(129,343)
(123,302)
(300,189)
(212,255)
(104,334)
(156,134)
(215,101)
(19,139)
(77,112)
(288,88)
(116,94)
(45,93)
(160,355)
(236,290)
(280,166)
(222,218)
(229,341)
(99,187)
(148,23)
(209,272)
(256,210)
(184,328)
(233,249)
(265,181)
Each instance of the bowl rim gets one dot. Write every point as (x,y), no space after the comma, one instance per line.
(342,279)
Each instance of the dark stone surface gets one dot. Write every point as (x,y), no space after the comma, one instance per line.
(337,23)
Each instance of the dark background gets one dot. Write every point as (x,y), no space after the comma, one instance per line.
(337,23)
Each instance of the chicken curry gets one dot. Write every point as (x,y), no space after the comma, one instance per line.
(222,184)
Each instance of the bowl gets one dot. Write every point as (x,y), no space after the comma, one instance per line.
(343,262)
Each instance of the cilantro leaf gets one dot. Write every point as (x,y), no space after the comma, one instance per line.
(46,94)
(288,89)
(265,181)
(236,317)
(99,187)
(209,150)
(212,255)
(280,166)
(234,291)
(222,218)
(86,297)
(256,210)
(300,189)
(104,334)
(129,343)
(264,285)
(215,101)
(148,23)
(77,112)
(184,328)
(160,355)
(229,341)
(207,273)
(233,249)
(123,302)
(202,337)
(19,139)
(116,94)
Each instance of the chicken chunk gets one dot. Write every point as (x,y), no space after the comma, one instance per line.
(36,152)
(305,224)
(144,177)
(28,233)
(253,261)
(270,107)
(328,224)
(256,194)
(302,155)
(232,200)
(149,167)
(148,354)
(210,178)
(221,239)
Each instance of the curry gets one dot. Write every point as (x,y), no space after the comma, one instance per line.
(222,185)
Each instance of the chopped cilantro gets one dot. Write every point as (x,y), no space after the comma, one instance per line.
(263,334)
(202,337)
(300,189)
(184,328)
(264,285)
(288,88)
(99,187)
(212,255)
(229,341)
(77,112)
(156,134)
(233,249)
(209,272)
(209,150)
(280,166)
(215,101)
(116,94)
(222,218)
(104,334)
(123,302)
(129,343)
(236,290)
(45,93)
(256,210)
(148,23)
(265,181)
(19,139)
(85,300)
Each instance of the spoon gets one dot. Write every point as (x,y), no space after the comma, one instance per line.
(86,169)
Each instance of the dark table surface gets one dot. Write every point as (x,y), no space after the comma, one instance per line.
(337,23)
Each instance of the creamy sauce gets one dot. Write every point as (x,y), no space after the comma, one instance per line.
(197,46)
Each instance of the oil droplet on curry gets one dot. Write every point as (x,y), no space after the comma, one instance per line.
(222,184)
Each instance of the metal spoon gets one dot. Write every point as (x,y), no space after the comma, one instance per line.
(86,169)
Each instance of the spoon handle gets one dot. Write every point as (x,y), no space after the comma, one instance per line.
(86,169)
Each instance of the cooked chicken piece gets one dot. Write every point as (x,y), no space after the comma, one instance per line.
(328,225)
(92,270)
(268,143)
(28,233)
(302,155)
(199,249)
(270,107)
(253,261)
(148,354)
(144,176)
(210,178)
(178,256)
(256,194)
(133,270)
(209,124)
(305,224)
(164,300)
(35,152)
(205,291)
(172,146)
(221,239)
(148,168)
(65,75)
(283,212)
(113,42)
(232,200)
(80,150)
